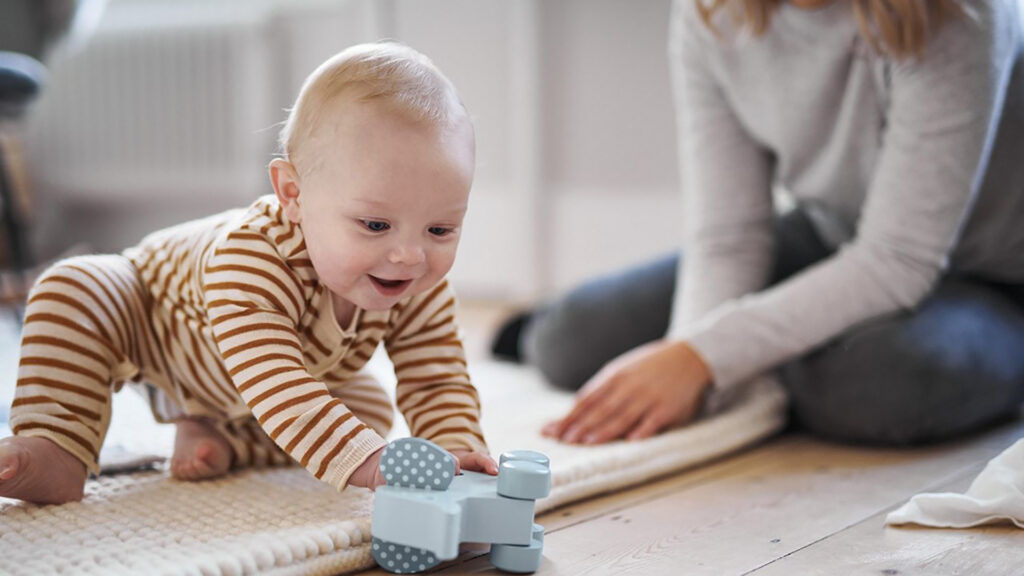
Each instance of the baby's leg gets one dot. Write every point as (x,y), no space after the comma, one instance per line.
(37,470)
(222,446)
(78,337)
(249,445)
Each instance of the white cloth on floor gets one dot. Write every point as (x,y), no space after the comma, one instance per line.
(996,495)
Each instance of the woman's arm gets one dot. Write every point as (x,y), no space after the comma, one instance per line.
(727,253)
(944,109)
(726,180)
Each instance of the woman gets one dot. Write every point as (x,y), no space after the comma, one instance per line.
(891,296)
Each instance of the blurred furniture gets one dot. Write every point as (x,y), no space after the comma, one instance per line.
(21,78)
(29,29)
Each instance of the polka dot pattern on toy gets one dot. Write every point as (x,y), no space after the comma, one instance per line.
(417,463)
(402,559)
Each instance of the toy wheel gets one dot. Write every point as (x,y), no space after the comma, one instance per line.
(528,455)
(518,559)
(400,559)
(523,479)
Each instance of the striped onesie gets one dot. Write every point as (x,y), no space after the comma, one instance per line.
(225,319)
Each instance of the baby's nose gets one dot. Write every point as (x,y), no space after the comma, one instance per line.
(407,254)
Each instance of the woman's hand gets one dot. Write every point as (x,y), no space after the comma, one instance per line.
(640,393)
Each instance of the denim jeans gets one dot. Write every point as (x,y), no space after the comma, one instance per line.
(952,365)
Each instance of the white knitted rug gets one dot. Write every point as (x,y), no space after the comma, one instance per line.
(282,521)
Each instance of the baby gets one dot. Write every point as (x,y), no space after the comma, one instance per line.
(249,329)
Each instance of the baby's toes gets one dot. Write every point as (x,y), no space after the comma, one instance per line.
(8,463)
(202,469)
(178,468)
(213,457)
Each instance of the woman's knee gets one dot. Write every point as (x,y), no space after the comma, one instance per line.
(951,367)
(554,342)
(573,337)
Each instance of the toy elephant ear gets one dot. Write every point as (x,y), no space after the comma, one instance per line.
(417,463)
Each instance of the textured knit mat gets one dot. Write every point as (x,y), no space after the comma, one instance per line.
(282,521)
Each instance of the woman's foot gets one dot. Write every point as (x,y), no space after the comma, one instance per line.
(37,470)
(200,452)
(505,345)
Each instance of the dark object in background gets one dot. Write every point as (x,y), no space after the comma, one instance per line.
(506,344)
(29,29)
(21,79)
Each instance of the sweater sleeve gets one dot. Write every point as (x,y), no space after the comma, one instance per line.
(944,108)
(254,301)
(726,179)
(434,391)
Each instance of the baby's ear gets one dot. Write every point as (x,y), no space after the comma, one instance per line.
(285,181)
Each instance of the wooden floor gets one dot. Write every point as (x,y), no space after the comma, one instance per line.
(792,506)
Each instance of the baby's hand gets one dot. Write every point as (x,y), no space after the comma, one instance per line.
(475,461)
(367,475)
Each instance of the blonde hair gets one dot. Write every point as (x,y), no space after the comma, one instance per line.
(387,72)
(899,28)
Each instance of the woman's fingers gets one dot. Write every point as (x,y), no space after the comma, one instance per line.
(600,413)
(552,429)
(649,425)
(618,424)
(594,393)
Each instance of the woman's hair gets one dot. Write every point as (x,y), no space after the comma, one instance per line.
(387,72)
(899,28)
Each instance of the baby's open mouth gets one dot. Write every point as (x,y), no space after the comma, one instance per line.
(389,286)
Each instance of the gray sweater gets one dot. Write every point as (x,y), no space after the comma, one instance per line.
(913,169)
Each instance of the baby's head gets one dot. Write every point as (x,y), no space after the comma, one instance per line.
(378,162)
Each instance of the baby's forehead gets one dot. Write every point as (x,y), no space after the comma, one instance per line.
(347,126)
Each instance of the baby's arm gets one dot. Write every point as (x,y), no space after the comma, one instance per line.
(434,392)
(254,301)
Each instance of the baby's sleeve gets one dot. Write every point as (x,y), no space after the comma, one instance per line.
(434,391)
(254,300)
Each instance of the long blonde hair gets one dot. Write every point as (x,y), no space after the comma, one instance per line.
(899,28)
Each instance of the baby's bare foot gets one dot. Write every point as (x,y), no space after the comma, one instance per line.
(199,451)
(38,470)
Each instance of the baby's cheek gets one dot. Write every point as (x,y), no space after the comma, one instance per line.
(442,260)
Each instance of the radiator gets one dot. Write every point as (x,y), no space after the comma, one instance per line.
(160,102)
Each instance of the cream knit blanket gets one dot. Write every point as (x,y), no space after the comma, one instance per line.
(282,521)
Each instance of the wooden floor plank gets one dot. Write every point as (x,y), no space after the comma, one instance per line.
(785,496)
(871,547)
(790,506)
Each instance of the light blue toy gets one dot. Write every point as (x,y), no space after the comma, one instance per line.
(425,510)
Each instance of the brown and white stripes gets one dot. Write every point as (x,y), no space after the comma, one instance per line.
(224,318)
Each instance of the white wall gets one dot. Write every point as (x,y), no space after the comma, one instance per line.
(571,102)
(609,142)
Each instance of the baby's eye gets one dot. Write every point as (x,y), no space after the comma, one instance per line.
(375,225)
(439,230)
